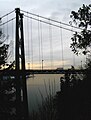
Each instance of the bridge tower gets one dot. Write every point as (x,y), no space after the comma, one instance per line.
(21,87)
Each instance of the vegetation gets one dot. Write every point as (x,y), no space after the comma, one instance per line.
(74,100)
(47,109)
(81,41)
(7,92)
(3,49)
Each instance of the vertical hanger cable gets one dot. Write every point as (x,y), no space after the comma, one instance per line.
(51,46)
(28,42)
(41,38)
(31,44)
(61,37)
(39,42)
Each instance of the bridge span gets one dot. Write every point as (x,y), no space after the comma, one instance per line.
(45,71)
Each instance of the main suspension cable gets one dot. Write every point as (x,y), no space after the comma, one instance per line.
(51,19)
(50,23)
(7,21)
(7,14)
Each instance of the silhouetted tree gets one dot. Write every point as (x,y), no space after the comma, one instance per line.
(7,91)
(82,40)
(74,99)
(3,49)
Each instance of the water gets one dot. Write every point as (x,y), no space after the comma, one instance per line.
(40,85)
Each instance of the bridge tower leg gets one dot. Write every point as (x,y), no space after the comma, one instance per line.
(24,85)
(21,88)
(17,68)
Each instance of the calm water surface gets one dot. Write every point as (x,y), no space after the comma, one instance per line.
(41,84)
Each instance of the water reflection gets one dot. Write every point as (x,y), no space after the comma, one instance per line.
(40,84)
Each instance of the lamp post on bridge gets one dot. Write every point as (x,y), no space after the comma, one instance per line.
(29,65)
(42,64)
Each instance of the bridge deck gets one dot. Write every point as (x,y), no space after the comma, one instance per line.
(53,71)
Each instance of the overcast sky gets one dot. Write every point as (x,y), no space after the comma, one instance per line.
(55,9)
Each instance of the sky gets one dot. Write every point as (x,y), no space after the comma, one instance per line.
(53,8)
(56,9)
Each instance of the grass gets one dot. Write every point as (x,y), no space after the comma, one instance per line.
(46,110)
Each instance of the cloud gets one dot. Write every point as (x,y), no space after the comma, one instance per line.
(55,9)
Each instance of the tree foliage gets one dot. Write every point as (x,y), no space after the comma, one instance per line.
(74,99)
(3,49)
(81,41)
(7,90)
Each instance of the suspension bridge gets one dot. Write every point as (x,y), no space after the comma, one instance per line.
(37,45)
(46,41)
